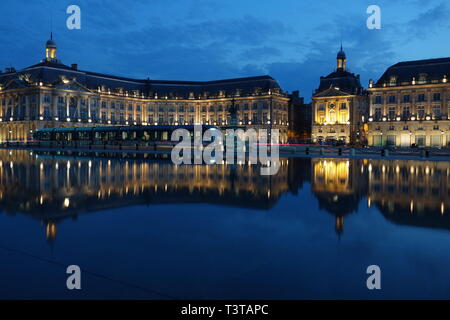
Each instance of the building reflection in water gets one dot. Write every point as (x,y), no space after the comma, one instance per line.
(55,186)
(411,192)
(338,185)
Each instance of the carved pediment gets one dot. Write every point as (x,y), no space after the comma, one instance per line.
(16,84)
(72,85)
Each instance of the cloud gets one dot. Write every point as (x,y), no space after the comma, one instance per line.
(429,22)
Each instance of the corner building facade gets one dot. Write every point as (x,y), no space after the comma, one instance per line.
(410,105)
(339,107)
(51,94)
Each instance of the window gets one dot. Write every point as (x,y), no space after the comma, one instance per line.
(392,113)
(421,97)
(422,78)
(321,107)
(378,100)
(377,114)
(343,106)
(436,111)
(436,96)
(393,80)
(406,112)
(392,99)
(421,112)
(332,116)
(406,98)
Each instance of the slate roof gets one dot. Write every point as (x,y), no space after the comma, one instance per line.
(50,72)
(405,71)
(346,82)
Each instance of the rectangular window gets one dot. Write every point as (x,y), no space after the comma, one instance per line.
(421,97)
(406,112)
(392,99)
(377,114)
(421,112)
(378,100)
(437,111)
(436,96)
(392,114)
(406,98)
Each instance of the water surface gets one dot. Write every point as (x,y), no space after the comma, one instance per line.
(142,228)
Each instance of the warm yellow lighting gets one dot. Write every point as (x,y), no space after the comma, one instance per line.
(66,202)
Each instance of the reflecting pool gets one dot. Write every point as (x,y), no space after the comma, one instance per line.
(142,228)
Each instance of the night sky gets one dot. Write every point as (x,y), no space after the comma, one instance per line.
(294,41)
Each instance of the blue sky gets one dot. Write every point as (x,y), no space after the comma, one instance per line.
(294,41)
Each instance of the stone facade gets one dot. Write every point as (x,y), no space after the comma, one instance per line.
(409,105)
(339,107)
(51,94)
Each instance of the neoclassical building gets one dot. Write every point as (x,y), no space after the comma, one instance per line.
(51,94)
(339,106)
(410,104)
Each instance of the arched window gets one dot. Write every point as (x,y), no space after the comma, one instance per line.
(332,116)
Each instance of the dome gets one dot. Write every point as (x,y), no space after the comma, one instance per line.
(341,54)
(50,42)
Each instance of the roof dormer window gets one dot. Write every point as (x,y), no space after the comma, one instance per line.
(422,78)
(393,80)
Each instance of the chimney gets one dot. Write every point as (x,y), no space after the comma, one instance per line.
(74,66)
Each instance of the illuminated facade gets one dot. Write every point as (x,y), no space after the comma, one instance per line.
(410,104)
(411,192)
(51,94)
(339,106)
(51,188)
(339,186)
